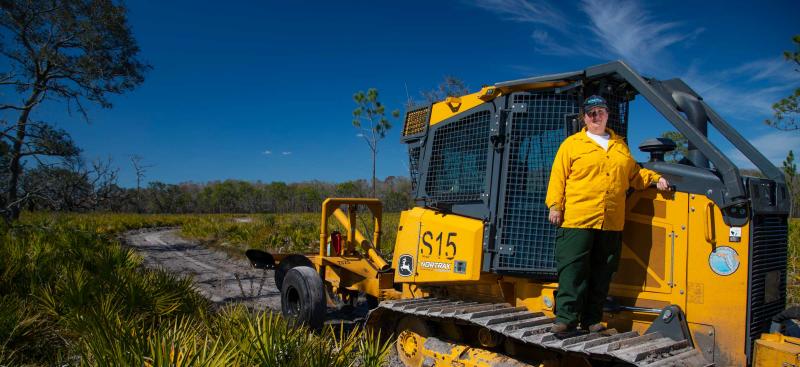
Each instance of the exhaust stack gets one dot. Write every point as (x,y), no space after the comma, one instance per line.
(696,114)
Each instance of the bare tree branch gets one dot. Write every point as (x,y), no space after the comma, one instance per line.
(63,50)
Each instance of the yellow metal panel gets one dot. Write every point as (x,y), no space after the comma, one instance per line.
(653,262)
(353,264)
(454,105)
(358,274)
(406,242)
(714,299)
(776,350)
(434,247)
(535,296)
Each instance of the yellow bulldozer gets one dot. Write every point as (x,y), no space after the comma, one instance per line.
(472,279)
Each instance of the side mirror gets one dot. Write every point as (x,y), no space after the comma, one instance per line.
(657,147)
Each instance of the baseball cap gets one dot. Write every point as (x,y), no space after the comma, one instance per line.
(594,101)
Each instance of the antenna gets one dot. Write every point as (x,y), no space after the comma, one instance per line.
(408,97)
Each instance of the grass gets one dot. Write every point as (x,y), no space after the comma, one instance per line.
(286,233)
(71,295)
(793,263)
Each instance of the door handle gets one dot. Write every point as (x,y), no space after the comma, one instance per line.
(709,225)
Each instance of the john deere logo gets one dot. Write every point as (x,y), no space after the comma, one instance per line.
(406,267)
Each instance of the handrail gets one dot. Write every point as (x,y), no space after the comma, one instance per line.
(665,105)
(709,225)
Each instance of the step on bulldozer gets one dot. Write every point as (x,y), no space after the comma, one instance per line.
(472,277)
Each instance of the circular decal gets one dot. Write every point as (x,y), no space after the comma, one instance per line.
(724,260)
(406,267)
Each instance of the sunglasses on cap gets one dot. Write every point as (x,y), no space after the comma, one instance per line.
(597,112)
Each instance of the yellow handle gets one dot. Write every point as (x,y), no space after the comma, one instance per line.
(453,102)
(709,230)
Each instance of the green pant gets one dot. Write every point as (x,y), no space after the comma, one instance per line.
(586,260)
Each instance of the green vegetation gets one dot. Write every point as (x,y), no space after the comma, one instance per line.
(75,54)
(792,182)
(787,110)
(793,265)
(70,294)
(682,149)
(295,232)
(79,190)
(369,118)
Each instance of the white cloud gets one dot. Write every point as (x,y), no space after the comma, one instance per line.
(631,33)
(547,45)
(536,12)
(773,145)
(774,69)
(744,100)
(627,30)
(266,152)
(623,31)
(286,153)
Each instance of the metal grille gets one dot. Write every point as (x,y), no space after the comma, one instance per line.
(413,166)
(769,246)
(527,239)
(617,112)
(415,121)
(457,168)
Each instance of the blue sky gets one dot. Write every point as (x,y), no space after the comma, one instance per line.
(263,90)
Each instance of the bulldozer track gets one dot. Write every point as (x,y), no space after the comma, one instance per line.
(533,328)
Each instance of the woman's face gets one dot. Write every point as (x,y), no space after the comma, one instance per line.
(596,120)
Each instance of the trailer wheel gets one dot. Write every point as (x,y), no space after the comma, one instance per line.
(287,264)
(303,297)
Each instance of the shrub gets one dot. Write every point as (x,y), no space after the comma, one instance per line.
(70,294)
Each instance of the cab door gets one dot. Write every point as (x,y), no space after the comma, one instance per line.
(653,263)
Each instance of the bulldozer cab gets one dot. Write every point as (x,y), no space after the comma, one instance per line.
(488,156)
(485,160)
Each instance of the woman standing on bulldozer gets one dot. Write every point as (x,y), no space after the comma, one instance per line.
(591,175)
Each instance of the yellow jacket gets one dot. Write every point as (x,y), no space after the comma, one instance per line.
(590,184)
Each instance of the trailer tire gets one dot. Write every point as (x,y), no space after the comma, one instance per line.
(303,297)
(287,264)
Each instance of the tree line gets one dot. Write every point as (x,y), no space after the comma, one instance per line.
(93,187)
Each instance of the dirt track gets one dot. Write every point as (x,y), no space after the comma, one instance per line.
(221,278)
(217,276)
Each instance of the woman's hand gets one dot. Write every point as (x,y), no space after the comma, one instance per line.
(556,216)
(662,185)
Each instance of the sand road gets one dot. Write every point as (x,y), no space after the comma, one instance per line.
(224,279)
(217,276)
